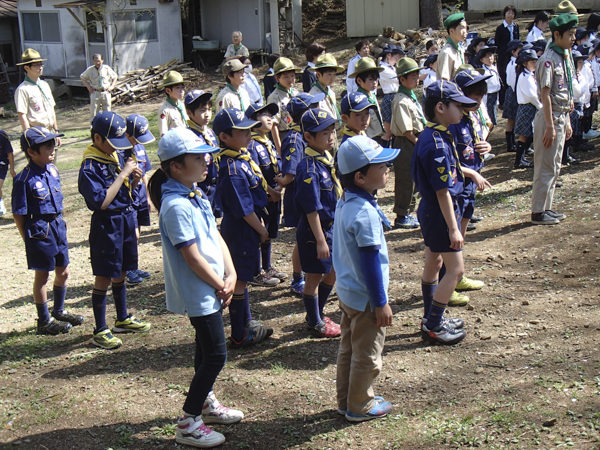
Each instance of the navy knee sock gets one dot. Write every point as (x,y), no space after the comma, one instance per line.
(324,291)
(43,314)
(99,307)
(428,288)
(247,313)
(297,276)
(265,252)
(60,292)
(119,291)
(442,272)
(311,303)
(434,318)
(236,316)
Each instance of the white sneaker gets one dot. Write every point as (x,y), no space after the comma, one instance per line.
(2,207)
(192,431)
(214,412)
(488,156)
(591,134)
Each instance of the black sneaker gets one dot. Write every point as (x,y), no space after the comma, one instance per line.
(53,327)
(444,334)
(476,219)
(543,219)
(554,214)
(471,226)
(73,319)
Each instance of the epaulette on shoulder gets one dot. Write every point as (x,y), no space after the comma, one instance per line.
(311,165)
(438,139)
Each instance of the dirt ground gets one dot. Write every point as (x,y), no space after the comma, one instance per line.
(525,377)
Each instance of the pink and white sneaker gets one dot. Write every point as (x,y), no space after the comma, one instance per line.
(214,412)
(192,431)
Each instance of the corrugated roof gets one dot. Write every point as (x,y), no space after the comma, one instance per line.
(76,4)
(8,8)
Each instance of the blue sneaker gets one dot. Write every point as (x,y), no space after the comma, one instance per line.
(377,398)
(380,410)
(142,274)
(406,222)
(133,278)
(297,287)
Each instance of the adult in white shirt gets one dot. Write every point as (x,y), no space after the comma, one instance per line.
(362,50)
(251,85)
(388,80)
(538,26)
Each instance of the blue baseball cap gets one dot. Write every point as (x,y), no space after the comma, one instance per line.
(316,120)
(112,126)
(138,129)
(254,109)
(232,118)
(301,102)
(179,141)
(468,77)
(359,151)
(37,135)
(194,95)
(449,90)
(355,102)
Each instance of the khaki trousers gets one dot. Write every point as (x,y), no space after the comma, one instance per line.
(99,101)
(546,160)
(405,191)
(359,359)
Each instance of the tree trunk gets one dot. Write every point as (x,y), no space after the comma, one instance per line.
(431,14)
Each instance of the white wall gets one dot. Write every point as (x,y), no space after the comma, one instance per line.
(368,17)
(528,5)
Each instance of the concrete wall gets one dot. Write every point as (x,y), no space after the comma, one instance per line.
(528,5)
(368,17)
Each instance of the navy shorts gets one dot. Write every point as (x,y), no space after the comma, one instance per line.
(466,201)
(434,228)
(289,211)
(46,244)
(272,222)
(3,169)
(113,244)
(247,264)
(143,217)
(307,250)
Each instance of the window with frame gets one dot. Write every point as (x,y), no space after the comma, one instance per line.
(41,27)
(135,26)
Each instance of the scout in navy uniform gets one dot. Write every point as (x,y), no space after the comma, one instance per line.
(356,114)
(317,192)
(7,160)
(138,134)
(438,176)
(198,105)
(37,209)
(292,151)
(263,152)
(552,126)
(106,182)
(244,196)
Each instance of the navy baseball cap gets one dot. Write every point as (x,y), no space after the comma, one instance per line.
(449,90)
(468,77)
(232,118)
(254,109)
(585,48)
(316,120)
(301,102)
(179,141)
(359,151)
(355,102)
(37,135)
(194,95)
(138,129)
(112,126)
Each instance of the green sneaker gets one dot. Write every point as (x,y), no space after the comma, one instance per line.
(106,340)
(458,299)
(466,284)
(131,325)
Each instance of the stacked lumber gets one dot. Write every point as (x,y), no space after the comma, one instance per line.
(142,84)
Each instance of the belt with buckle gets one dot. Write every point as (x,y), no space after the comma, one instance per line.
(46,217)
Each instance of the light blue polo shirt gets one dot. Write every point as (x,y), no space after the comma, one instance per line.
(187,218)
(357,224)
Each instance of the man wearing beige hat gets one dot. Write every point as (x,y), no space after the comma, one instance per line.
(33,98)
(233,95)
(284,71)
(100,80)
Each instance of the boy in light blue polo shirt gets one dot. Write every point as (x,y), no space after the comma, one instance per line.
(360,258)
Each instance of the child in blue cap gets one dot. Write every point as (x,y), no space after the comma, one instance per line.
(37,209)
(199,276)
(106,182)
(356,114)
(361,261)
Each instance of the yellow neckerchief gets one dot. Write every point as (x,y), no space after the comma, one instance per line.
(296,127)
(326,160)
(350,132)
(93,153)
(270,150)
(245,156)
(207,137)
(471,122)
(442,128)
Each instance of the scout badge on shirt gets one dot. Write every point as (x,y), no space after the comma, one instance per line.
(162,116)
(53,172)
(325,174)
(36,107)
(39,184)
(561,83)
(468,152)
(439,160)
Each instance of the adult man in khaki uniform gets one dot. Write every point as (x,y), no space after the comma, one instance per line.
(552,125)
(452,55)
(33,98)
(100,80)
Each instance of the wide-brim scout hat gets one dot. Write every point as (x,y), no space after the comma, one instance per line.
(566,7)
(581,33)
(449,90)
(229,118)
(179,141)
(576,54)
(365,65)
(303,101)
(316,120)
(526,55)
(173,78)
(540,45)
(254,110)
(139,129)
(355,102)
(112,127)
(30,56)
(585,47)
(484,51)
(196,94)
(327,61)
(513,45)
(431,59)
(467,77)
(359,151)
(405,66)
(469,67)
(284,65)
(37,135)
(391,50)
(233,65)
(453,19)
(563,23)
